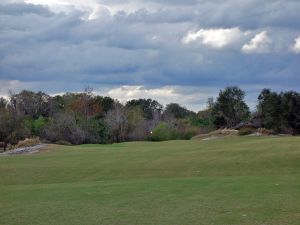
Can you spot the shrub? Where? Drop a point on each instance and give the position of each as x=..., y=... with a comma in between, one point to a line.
x=62, y=142
x=64, y=127
x=188, y=133
x=95, y=130
x=246, y=131
x=28, y=142
x=38, y=125
x=163, y=132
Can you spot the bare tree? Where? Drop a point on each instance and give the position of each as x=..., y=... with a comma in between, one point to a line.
x=86, y=98
x=117, y=123
x=64, y=127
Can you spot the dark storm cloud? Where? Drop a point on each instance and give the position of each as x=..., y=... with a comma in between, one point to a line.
x=148, y=46
x=250, y=14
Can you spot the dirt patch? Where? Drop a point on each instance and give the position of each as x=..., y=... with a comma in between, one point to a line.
x=216, y=134
x=210, y=138
x=25, y=150
x=255, y=134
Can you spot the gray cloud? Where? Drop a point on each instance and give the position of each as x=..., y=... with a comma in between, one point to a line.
x=21, y=9
x=145, y=46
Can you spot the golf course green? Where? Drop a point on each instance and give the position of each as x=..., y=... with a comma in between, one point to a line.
x=236, y=180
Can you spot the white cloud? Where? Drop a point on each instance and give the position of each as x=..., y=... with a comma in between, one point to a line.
x=215, y=38
x=190, y=97
x=125, y=93
x=296, y=47
x=13, y=86
x=259, y=44
x=99, y=12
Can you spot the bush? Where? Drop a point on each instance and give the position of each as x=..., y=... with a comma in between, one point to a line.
x=62, y=142
x=39, y=125
x=28, y=142
x=246, y=131
x=163, y=132
x=64, y=127
x=188, y=133
x=95, y=130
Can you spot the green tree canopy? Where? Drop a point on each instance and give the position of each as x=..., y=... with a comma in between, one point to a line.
x=148, y=106
x=230, y=108
x=178, y=111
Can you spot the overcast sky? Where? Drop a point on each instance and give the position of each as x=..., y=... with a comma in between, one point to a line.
x=173, y=50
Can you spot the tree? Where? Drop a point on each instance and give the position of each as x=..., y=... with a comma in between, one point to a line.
x=99, y=105
x=205, y=118
x=95, y=130
x=6, y=127
x=178, y=111
x=64, y=127
x=56, y=105
x=39, y=125
x=3, y=103
x=107, y=103
x=86, y=97
x=230, y=108
x=290, y=111
x=269, y=109
x=11, y=129
x=85, y=104
x=30, y=103
x=116, y=122
x=280, y=112
x=138, y=127
x=148, y=106
x=5, y=123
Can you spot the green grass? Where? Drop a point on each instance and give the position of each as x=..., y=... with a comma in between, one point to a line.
x=238, y=180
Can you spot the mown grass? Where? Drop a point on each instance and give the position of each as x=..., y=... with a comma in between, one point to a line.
x=237, y=180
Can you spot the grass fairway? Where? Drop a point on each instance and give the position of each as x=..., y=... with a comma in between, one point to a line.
x=239, y=180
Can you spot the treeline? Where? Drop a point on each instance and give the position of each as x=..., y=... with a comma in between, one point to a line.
x=76, y=118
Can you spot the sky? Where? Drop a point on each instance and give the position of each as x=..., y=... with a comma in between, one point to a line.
x=180, y=51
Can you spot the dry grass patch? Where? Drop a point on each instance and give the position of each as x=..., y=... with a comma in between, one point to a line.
x=28, y=142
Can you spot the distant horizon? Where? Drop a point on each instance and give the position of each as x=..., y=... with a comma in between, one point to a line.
x=252, y=105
